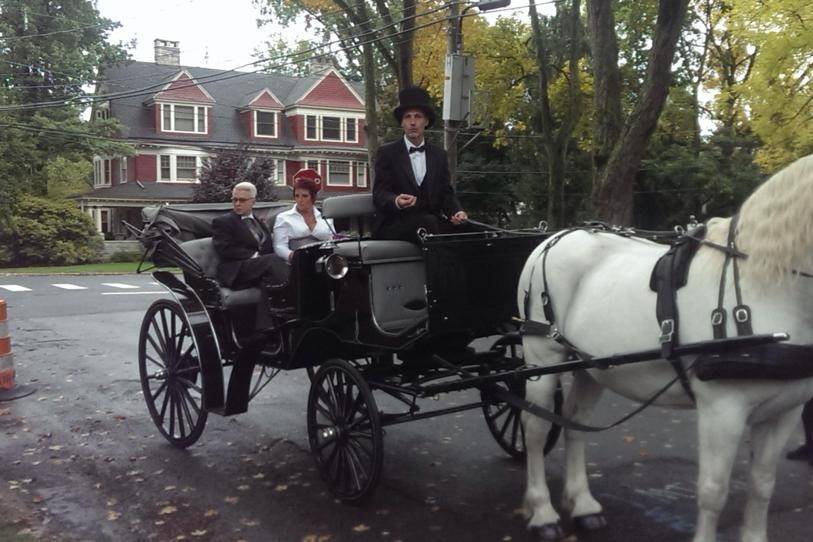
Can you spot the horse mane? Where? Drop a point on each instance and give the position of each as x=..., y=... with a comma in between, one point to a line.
x=776, y=225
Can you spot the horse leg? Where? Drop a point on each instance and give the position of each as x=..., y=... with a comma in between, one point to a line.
x=544, y=522
x=720, y=427
x=580, y=504
x=767, y=440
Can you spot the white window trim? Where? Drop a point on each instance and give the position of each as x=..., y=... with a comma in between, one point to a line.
x=99, y=171
x=344, y=130
x=123, y=167
x=320, y=128
x=279, y=172
x=276, y=123
x=361, y=173
x=173, y=167
x=349, y=183
x=195, y=115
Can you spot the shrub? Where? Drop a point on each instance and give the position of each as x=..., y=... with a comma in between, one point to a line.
x=123, y=256
x=43, y=232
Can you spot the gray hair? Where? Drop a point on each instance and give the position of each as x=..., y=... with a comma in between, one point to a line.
x=245, y=185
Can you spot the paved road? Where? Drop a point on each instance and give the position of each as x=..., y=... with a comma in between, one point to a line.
x=82, y=460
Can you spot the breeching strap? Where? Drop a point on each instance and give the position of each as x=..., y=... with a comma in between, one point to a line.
x=741, y=312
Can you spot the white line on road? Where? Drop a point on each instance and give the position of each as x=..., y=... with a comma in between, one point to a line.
x=133, y=293
x=70, y=286
x=14, y=288
x=119, y=285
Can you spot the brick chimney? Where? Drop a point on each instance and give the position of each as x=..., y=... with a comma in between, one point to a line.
x=167, y=52
x=319, y=64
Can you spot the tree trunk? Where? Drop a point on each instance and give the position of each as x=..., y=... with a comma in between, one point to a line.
x=406, y=45
x=368, y=68
x=613, y=193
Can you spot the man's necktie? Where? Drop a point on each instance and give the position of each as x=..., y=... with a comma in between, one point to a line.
x=256, y=230
x=417, y=149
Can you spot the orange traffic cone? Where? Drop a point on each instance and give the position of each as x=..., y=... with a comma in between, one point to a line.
x=8, y=389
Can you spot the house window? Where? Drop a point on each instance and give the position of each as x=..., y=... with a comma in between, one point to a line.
x=102, y=113
x=338, y=173
x=313, y=164
x=310, y=126
x=102, y=171
x=350, y=130
x=123, y=170
x=361, y=174
x=265, y=124
x=279, y=173
x=331, y=128
x=166, y=167
x=186, y=168
x=184, y=118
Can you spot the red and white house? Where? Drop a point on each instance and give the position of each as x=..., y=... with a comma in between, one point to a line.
x=176, y=117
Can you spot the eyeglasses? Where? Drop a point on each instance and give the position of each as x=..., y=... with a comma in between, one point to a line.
x=241, y=200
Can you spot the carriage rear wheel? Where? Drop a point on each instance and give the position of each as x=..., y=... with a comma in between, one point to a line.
x=170, y=372
x=344, y=430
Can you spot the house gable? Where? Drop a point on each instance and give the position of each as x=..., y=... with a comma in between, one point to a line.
x=265, y=100
x=331, y=91
x=183, y=88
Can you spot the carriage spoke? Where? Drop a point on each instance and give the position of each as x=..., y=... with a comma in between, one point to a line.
x=155, y=361
x=156, y=346
x=515, y=426
x=190, y=384
x=506, y=422
x=163, y=413
x=171, y=412
x=159, y=390
x=353, y=465
x=190, y=401
x=166, y=335
x=499, y=412
x=184, y=404
x=358, y=446
x=181, y=337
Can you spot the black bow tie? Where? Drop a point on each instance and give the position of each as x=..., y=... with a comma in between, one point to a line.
x=417, y=149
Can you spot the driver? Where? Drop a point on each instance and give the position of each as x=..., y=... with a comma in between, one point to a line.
x=412, y=188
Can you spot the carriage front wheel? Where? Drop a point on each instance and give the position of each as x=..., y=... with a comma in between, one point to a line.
x=344, y=430
x=170, y=372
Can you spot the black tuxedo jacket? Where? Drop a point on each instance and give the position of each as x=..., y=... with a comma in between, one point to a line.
x=394, y=175
x=235, y=243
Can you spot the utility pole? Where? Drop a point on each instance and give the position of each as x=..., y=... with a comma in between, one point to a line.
x=450, y=125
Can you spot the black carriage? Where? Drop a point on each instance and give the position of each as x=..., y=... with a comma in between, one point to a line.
x=363, y=317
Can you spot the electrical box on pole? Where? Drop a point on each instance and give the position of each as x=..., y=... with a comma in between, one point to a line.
x=485, y=5
x=457, y=87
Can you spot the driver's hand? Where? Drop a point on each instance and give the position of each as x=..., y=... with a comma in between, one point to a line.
x=405, y=200
x=459, y=217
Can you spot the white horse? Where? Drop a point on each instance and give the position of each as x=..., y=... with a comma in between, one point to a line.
x=598, y=284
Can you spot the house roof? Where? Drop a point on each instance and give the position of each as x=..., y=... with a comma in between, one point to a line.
x=142, y=82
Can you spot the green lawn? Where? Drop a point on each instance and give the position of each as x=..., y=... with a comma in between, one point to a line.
x=91, y=268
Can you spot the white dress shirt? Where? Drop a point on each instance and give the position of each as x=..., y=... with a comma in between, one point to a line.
x=291, y=231
x=418, y=160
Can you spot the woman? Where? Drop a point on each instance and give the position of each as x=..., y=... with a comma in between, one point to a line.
x=303, y=224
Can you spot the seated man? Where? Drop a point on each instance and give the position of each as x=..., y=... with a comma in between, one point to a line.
x=412, y=188
x=246, y=251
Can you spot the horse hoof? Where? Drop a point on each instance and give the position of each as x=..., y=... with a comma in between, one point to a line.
x=590, y=522
x=549, y=532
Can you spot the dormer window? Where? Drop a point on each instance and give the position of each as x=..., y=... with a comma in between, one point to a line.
x=331, y=128
x=189, y=119
x=265, y=123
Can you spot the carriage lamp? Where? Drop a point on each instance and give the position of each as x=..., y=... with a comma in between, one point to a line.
x=334, y=265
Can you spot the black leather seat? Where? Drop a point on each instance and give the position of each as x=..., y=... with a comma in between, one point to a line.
x=203, y=252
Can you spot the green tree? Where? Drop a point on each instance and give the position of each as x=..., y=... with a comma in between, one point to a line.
x=67, y=176
x=220, y=173
x=50, y=52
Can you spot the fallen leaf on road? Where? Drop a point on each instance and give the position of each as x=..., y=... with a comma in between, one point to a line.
x=361, y=528
x=243, y=487
x=232, y=500
x=167, y=510
x=210, y=513
x=112, y=515
x=281, y=487
x=249, y=522
x=55, y=448
x=628, y=439
x=200, y=532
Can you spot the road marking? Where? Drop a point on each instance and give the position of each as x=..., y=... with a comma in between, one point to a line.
x=119, y=285
x=70, y=286
x=14, y=288
x=133, y=293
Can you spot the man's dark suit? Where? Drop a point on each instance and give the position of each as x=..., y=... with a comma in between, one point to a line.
x=235, y=244
x=394, y=176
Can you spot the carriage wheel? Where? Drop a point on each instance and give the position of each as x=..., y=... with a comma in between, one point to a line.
x=504, y=422
x=170, y=371
x=344, y=431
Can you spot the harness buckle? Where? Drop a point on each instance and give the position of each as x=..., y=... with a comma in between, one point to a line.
x=741, y=315
x=667, y=331
x=717, y=317
x=545, y=299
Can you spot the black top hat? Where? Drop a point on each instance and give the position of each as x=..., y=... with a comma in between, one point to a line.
x=415, y=98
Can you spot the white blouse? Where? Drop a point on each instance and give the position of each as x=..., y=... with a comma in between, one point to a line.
x=290, y=230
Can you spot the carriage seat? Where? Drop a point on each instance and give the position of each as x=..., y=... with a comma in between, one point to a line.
x=204, y=253
x=397, y=271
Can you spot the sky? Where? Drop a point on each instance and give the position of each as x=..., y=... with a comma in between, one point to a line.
x=212, y=33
